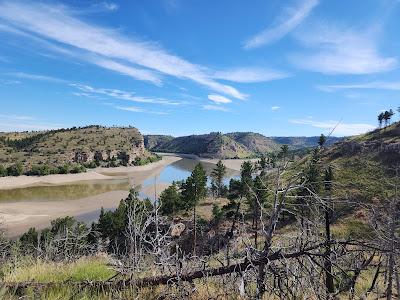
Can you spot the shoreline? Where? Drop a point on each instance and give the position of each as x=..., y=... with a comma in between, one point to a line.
x=23, y=181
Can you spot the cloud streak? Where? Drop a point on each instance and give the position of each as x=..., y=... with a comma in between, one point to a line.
x=289, y=20
x=336, y=50
x=218, y=99
x=250, y=75
x=378, y=85
x=215, y=107
x=58, y=25
x=121, y=95
x=342, y=129
x=139, y=110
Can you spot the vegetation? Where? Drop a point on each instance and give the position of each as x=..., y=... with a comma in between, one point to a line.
x=230, y=145
x=326, y=226
x=71, y=150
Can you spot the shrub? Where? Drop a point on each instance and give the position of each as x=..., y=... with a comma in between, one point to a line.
x=3, y=171
x=15, y=170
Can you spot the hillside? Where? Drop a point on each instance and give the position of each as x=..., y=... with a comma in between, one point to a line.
x=363, y=165
x=75, y=145
x=301, y=142
x=213, y=145
x=229, y=145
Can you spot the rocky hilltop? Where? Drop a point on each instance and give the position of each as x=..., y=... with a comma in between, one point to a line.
x=122, y=145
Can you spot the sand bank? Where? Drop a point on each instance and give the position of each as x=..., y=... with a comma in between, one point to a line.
x=137, y=173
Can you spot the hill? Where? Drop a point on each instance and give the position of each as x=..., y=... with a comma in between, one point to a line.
x=301, y=142
x=213, y=145
x=363, y=165
x=84, y=145
x=229, y=145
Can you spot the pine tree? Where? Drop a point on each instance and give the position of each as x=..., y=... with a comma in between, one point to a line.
x=217, y=176
x=195, y=189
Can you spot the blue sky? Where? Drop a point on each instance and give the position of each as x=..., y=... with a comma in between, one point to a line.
x=187, y=67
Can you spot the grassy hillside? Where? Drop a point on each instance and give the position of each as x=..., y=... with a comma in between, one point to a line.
x=255, y=142
x=75, y=145
x=363, y=165
x=301, y=142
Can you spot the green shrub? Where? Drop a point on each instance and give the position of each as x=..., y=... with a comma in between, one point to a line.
x=15, y=170
x=3, y=171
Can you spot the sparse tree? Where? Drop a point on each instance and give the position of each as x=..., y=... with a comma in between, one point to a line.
x=193, y=190
x=217, y=176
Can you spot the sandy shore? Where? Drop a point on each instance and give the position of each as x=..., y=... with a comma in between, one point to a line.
x=18, y=217
x=233, y=164
x=137, y=173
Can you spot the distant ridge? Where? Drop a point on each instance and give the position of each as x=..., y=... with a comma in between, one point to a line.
x=229, y=145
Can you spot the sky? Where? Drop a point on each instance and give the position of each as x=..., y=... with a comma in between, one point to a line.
x=180, y=67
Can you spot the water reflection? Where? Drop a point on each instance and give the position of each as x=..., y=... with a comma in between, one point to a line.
x=63, y=192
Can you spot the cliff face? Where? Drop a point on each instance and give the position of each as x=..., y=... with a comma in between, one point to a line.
x=79, y=145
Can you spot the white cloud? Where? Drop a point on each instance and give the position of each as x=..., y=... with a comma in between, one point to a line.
x=137, y=73
x=122, y=95
x=215, y=107
x=341, y=51
x=140, y=110
x=9, y=82
x=17, y=117
x=39, y=77
x=57, y=24
x=289, y=20
x=249, y=75
x=110, y=6
x=219, y=99
x=340, y=129
x=274, y=108
x=379, y=85
x=13, y=122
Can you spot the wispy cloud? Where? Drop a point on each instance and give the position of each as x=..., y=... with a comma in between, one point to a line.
x=378, y=85
x=249, y=75
x=219, y=99
x=16, y=117
x=340, y=129
x=274, y=108
x=9, y=82
x=215, y=107
x=59, y=25
x=109, y=6
x=122, y=95
x=140, y=110
x=137, y=73
x=337, y=50
x=38, y=77
x=285, y=23
x=14, y=122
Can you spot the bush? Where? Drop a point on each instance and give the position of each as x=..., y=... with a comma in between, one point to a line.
x=15, y=170
x=40, y=170
x=217, y=213
x=3, y=171
x=91, y=165
x=170, y=200
x=78, y=169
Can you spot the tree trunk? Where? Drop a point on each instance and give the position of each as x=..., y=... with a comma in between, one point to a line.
x=330, y=288
x=194, y=231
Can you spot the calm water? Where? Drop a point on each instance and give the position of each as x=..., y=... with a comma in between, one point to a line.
x=176, y=171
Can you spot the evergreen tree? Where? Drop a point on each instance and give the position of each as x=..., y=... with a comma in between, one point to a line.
x=380, y=119
x=170, y=200
x=193, y=190
x=217, y=176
